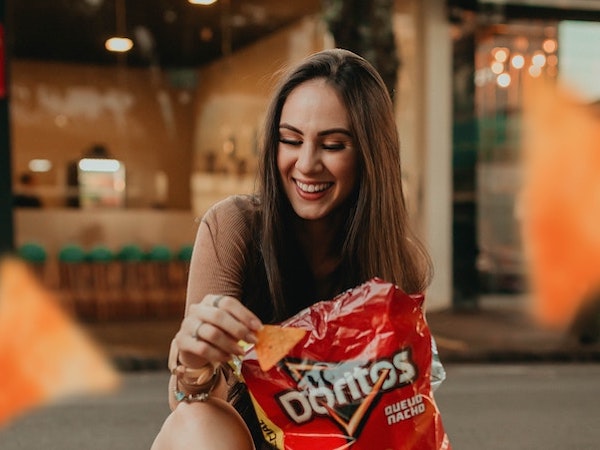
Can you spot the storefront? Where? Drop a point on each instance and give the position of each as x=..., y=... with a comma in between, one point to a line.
x=499, y=45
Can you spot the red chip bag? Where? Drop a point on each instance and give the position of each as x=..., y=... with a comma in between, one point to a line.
x=360, y=377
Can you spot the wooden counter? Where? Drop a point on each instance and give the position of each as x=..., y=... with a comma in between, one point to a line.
x=54, y=228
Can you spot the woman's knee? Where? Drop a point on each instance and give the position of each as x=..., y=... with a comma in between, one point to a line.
x=211, y=425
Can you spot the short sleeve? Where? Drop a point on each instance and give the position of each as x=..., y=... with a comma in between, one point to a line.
x=221, y=251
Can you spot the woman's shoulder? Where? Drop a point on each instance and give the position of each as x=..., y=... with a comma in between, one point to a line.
x=233, y=211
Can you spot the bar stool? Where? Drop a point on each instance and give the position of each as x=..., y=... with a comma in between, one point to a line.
x=104, y=281
x=35, y=256
x=133, y=301
x=158, y=279
x=181, y=269
x=74, y=283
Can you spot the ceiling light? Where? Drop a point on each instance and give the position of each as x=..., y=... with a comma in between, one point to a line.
x=503, y=80
x=40, y=165
x=497, y=67
x=99, y=165
x=500, y=54
x=202, y=2
x=118, y=44
x=518, y=61
x=539, y=59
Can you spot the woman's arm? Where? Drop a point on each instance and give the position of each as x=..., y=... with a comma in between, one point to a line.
x=217, y=268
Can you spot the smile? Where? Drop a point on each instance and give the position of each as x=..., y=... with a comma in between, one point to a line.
x=312, y=188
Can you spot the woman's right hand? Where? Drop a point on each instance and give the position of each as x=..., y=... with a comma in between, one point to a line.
x=212, y=329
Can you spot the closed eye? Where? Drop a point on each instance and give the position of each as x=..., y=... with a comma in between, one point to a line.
x=288, y=141
x=337, y=146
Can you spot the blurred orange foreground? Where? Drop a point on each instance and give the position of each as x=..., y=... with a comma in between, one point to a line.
x=560, y=202
x=44, y=355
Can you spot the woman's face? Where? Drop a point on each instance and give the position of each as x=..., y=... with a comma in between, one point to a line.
x=316, y=157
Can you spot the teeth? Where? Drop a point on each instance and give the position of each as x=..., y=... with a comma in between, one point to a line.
x=312, y=187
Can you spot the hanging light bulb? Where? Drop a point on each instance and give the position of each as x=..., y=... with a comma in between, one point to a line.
x=119, y=43
x=202, y=2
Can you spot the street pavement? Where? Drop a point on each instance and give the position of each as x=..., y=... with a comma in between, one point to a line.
x=483, y=406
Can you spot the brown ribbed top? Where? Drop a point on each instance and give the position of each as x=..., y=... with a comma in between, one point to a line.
x=221, y=250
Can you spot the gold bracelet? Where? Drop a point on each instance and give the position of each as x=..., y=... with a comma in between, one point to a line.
x=193, y=377
x=199, y=392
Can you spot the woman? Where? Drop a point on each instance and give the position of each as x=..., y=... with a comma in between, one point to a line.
x=329, y=214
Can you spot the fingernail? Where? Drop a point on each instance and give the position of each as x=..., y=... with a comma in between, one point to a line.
x=255, y=324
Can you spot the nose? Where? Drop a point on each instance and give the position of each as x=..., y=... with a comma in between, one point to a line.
x=309, y=159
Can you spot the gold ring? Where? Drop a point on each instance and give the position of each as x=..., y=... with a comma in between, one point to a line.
x=196, y=335
x=216, y=300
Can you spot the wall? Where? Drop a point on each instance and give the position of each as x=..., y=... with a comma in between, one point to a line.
x=58, y=111
x=112, y=228
x=435, y=143
x=232, y=100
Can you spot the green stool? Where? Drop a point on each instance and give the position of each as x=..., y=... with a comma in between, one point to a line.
x=133, y=301
x=35, y=257
x=33, y=252
x=159, y=253
x=104, y=280
x=130, y=253
x=74, y=282
x=100, y=254
x=159, y=259
x=180, y=273
x=71, y=253
x=185, y=253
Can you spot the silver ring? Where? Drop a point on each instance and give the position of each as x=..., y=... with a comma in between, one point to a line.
x=216, y=300
x=196, y=335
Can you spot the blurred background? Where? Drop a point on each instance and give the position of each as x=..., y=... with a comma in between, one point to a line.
x=122, y=121
x=111, y=154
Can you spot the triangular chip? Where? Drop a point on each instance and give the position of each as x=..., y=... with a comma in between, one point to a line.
x=44, y=354
x=274, y=342
x=560, y=202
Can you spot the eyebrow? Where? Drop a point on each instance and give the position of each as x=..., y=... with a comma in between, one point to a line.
x=320, y=133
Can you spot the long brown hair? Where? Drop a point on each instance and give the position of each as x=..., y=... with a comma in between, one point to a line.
x=377, y=240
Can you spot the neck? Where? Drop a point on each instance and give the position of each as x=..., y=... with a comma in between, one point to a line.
x=319, y=240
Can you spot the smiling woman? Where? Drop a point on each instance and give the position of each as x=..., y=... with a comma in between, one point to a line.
x=328, y=214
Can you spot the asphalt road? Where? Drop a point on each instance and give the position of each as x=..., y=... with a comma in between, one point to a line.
x=522, y=407
x=484, y=407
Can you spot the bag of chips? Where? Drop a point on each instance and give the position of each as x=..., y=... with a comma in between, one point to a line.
x=359, y=378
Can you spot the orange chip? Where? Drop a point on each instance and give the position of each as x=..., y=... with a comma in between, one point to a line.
x=44, y=354
x=274, y=342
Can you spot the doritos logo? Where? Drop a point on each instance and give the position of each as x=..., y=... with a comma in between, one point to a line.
x=346, y=391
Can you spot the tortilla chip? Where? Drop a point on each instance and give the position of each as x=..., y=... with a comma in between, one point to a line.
x=44, y=354
x=274, y=342
x=560, y=202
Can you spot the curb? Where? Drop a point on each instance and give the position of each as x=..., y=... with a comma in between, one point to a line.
x=522, y=356
x=137, y=363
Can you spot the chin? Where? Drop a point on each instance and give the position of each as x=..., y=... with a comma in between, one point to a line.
x=305, y=214
x=310, y=216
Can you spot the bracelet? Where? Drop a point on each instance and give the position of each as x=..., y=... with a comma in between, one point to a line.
x=201, y=391
x=193, y=377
